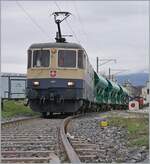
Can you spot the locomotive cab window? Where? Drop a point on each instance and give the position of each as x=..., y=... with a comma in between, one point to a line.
x=29, y=58
x=41, y=58
x=67, y=58
x=81, y=59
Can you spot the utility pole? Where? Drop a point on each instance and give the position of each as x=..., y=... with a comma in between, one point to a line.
x=100, y=62
x=109, y=74
x=97, y=65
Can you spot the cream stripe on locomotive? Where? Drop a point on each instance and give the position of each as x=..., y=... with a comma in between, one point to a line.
x=60, y=73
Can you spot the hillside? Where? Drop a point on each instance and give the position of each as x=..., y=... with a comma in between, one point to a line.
x=137, y=79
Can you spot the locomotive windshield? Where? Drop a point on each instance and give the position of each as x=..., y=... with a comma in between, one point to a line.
x=67, y=58
x=41, y=58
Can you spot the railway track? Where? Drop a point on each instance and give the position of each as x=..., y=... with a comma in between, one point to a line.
x=33, y=140
x=79, y=149
x=40, y=140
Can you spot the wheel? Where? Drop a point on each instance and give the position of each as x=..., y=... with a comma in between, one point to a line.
x=44, y=114
x=50, y=114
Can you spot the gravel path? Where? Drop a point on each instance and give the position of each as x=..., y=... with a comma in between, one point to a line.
x=112, y=141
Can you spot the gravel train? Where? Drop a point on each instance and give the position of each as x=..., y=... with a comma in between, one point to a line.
x=60, y=78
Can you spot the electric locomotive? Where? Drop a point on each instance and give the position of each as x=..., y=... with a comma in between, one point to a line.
x=61, y=79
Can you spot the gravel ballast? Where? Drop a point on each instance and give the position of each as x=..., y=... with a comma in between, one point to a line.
x=112, y=141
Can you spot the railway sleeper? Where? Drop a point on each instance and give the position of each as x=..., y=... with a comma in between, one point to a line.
x=27, y=147
x=26, y=160
x=79, y=145
x=87, y=157
x=26, y=136
x=27, y=142
x=89, y=150
x=24, y=139
x=5, y=154
x=25, y=133
x=50, y=158
x=77, y=141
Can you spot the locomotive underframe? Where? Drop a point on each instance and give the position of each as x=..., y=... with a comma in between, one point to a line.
x=67, y=106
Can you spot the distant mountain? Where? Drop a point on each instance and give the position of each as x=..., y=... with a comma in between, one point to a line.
x=137, y=79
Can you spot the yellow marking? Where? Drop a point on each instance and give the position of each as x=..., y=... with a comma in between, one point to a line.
x=53, y=61
x=53, y=50
x=103, y=123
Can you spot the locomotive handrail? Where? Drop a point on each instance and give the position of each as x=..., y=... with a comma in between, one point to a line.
x=73, y=158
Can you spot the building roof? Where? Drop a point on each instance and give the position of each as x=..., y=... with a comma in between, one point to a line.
x=6, y=74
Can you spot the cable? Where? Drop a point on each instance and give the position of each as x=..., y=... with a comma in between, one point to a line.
x=68, y=24
x=73, y=32
x=79, y=18
x=57, y=5
x=32, y=20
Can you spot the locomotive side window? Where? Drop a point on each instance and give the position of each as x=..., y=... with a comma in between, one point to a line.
x=41, y=58
x=29, y=58
x=67, y=58
x=81, y=59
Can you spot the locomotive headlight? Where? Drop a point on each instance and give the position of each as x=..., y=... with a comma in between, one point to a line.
x=36, y=83
x=71, y=83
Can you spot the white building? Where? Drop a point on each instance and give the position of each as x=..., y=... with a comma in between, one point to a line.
x=12, y=86
x=134, y=91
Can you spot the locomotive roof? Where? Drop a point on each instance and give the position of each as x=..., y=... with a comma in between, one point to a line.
x=56, y=45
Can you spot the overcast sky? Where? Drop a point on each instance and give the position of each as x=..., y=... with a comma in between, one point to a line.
x=109, y=30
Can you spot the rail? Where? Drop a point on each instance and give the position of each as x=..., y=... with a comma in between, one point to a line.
x=73, y=157
x=18, y=121
x=71, y=154
x=18, y=147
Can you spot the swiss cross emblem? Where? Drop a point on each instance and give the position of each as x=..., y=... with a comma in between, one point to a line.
x=52, y=73
x=132, y=105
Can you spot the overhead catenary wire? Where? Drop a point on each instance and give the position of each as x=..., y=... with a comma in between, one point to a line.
x=68, y=24
x=79, y=19
x=32, y=19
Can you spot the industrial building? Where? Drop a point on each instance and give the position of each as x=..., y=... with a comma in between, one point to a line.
x=13, y=86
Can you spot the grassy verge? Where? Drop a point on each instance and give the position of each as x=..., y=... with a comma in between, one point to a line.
x=138, y=129
x=16, y=108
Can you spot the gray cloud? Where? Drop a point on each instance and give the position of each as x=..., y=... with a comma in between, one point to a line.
x=106, y=29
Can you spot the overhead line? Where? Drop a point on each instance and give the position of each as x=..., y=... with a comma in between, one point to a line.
x=79, y=18
x=32, y=19
x=72, y=31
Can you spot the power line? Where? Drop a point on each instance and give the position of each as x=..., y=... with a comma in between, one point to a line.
x=57, y=5
x=32, y=20
x=79, y=18
x=68, y=24
x=72, y=31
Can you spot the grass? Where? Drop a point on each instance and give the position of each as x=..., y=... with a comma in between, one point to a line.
x=138, y=129
x=16, y=108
